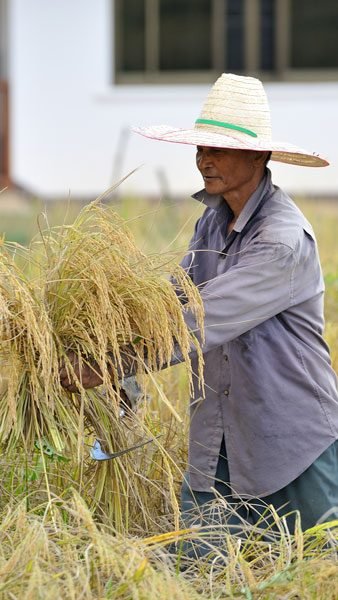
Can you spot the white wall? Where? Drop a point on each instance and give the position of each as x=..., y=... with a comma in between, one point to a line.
x=68, y=122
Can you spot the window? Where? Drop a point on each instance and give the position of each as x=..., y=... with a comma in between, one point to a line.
x=268, y=32
x=195, y=40
x=132, y=48
x=181, y=25
x=314, y=34
x=234, y=35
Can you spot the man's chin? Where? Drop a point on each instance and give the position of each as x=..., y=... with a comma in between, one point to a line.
x=213, y=187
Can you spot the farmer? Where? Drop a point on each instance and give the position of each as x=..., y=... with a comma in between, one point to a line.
x=266, y=431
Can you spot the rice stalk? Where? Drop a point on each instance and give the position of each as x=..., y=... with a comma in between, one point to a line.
x=86, y=288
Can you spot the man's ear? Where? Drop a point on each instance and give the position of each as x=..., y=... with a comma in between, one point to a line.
x=261, y=158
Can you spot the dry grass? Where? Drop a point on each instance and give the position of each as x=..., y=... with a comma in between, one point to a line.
x=64, y=553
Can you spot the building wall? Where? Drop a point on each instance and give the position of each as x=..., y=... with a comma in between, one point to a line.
x=70, y=126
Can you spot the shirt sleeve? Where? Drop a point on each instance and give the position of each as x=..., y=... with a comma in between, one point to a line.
x=258, y=287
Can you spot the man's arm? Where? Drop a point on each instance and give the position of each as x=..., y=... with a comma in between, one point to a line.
x=257, y=288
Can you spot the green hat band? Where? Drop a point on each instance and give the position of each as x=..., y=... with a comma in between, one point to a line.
x=226, y=125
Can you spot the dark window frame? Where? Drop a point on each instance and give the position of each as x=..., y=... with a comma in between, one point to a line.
x=252, y=48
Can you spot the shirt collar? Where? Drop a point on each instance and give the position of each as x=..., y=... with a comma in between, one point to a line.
x=217, y=202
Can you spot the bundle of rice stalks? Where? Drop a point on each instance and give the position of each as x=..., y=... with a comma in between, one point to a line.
x=93, y=292
x=102, y=293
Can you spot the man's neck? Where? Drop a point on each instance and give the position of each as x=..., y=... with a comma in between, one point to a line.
x=238, y=198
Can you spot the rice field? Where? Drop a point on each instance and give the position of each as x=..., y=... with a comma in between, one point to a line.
x=75, y=528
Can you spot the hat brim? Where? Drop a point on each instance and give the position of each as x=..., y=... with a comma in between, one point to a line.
x=281, y=152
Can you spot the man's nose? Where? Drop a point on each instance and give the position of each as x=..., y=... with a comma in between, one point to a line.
x=204, y=158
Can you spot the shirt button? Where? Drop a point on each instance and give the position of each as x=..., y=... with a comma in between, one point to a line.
x=226, y=392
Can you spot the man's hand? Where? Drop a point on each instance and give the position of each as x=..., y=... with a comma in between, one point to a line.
x=88, y=374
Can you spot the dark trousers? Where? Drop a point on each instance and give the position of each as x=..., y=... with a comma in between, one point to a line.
x=314, y=494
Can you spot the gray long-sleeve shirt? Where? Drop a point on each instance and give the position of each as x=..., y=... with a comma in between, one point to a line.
x=269, y=385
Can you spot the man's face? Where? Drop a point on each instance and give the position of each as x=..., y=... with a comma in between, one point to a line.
x=224, y=170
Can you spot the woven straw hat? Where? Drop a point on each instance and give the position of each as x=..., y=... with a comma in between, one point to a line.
x=236, y=115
